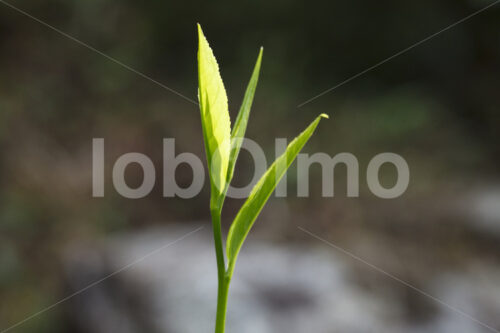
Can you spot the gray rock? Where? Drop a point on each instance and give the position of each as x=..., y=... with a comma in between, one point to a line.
x=276, y=288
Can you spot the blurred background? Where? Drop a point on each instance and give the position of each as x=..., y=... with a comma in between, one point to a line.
x=436, y=105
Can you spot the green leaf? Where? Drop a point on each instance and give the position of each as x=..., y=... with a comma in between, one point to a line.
x=214, y=116
x=245, y=218
x=240, y=125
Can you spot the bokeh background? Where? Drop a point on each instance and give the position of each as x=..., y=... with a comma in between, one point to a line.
x=436, y=105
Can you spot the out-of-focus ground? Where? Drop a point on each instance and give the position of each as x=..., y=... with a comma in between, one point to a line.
x=286, y=287
x=436, y=105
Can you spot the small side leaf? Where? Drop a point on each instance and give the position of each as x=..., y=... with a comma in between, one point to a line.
x=245, y=218
x=214, y=116
x=240, y=124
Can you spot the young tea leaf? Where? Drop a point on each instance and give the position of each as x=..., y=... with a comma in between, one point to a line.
x=245, y=218
x=240, y=124
x=214, y=116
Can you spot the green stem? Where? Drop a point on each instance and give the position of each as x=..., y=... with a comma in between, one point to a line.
x=219, y=251
x=223, y=278
x=220, y=322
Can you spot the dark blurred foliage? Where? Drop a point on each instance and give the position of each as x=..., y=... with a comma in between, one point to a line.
x=437, y=105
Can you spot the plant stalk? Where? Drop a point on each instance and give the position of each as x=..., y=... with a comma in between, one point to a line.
x=223, y=292
x=223, y=278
